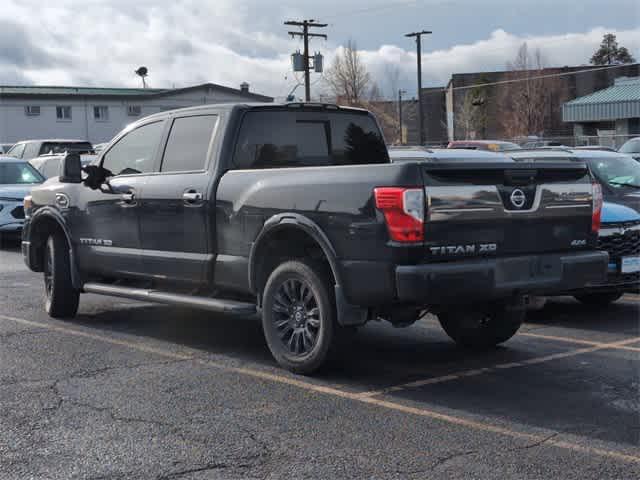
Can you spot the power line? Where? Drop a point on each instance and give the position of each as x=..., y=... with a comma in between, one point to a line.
x=540, y=77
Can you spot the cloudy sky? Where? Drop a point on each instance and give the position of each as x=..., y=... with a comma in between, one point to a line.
x=101, y=42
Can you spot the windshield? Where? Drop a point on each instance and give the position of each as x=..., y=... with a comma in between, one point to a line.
x=617, y=172
x=632, y=146
x=15, y=173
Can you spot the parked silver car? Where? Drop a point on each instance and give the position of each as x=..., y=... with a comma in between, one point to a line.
x=29, y=149
x=49, y=165
x=17, y=178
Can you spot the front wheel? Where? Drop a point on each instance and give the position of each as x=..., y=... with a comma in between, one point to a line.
x=299, y=316
x=599, y=299
x=61, y=298
x=483, y=327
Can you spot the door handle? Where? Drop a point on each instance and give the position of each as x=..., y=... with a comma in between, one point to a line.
x=191, y=196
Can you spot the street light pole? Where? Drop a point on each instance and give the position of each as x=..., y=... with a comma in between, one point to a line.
x=418, y=36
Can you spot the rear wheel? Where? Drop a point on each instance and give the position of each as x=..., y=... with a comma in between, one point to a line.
x=599, y=299
x=299, y=316
x=483, y=327
x=61, y=298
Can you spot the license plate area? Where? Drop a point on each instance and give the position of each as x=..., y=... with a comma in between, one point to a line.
x=630, y=264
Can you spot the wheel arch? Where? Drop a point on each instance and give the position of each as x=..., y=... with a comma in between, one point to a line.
x=43, y=222
x=277, y=225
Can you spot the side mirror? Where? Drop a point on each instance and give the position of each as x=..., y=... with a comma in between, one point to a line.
x=97, y=177
x=71, y=169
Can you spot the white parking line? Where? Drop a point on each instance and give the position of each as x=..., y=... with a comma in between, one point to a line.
x=329, y=390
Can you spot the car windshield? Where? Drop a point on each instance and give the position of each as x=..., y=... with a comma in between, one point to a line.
x=617, y=172
x=15, y=173
x=632, y=146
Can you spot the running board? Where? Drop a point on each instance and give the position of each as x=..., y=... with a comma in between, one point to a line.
x=205, y=303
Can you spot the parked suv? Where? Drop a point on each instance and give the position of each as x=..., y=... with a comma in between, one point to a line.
x=295, y=211
x=29, y=149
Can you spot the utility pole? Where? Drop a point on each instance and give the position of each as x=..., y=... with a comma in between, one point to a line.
x=400, y=92
x=305, y=34
x=418, y=36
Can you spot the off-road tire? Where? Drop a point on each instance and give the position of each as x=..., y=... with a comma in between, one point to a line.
x=61, y=298
x=483, y=327
x=315, y=278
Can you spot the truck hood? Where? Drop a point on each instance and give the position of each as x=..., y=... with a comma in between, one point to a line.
x=15, y=191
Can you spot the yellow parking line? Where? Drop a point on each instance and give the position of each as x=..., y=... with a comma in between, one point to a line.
x=327, y=390
x=578, y=341
x=504, y=366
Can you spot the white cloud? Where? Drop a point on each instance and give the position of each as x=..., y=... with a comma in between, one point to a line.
x=493, y=53
x=99, y=42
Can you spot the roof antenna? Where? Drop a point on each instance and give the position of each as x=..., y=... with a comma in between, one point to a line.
x=142, y=72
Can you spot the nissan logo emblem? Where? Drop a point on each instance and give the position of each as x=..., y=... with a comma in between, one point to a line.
x=518, y=198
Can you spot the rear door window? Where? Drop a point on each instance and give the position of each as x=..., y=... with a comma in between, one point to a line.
x=31, y=150
x=188, y=143
x=285, y=139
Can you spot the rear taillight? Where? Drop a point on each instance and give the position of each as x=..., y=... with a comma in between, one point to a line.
x=403, y=210
x=597, y=207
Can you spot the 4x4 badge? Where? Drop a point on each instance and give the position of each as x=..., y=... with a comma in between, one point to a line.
x=518, y=198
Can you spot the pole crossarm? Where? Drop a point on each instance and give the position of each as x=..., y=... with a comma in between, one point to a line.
x=415, y=34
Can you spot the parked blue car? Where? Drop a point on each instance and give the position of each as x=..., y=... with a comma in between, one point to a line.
x=619, y=176
x=17, y=178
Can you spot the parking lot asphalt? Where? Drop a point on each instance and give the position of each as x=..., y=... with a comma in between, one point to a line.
x=135, y=390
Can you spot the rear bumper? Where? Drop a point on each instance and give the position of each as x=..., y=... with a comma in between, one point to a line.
x=492, y=278
x=628, y=283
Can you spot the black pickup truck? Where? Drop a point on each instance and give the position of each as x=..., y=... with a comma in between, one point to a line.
x=296, y=211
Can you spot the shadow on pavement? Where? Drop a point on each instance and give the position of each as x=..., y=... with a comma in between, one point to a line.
x=619, y=317
x=574, y=395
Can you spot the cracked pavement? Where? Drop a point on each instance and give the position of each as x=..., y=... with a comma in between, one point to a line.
x=152, y=392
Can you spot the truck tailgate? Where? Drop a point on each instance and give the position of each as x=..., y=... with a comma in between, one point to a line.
x=500, y=209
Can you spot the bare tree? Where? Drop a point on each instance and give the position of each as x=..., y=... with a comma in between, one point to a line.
x=466, y=118
x=525, y=101
x=348, y=76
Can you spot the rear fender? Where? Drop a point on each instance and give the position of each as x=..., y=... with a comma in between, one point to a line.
x=347, y=314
